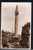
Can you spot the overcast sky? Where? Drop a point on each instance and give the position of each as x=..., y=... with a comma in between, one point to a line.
x=8, y=16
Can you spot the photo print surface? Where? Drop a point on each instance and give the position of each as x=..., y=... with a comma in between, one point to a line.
x=0, y=25
x=16, y=25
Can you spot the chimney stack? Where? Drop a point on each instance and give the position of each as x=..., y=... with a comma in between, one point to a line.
x=16, y=19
